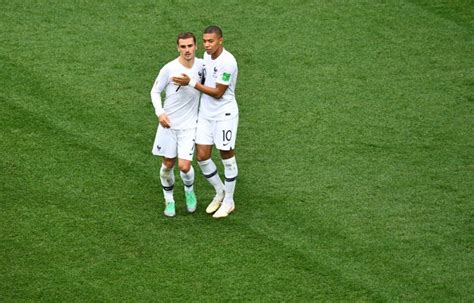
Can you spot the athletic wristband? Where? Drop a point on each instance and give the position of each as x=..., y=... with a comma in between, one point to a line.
x=192, y=83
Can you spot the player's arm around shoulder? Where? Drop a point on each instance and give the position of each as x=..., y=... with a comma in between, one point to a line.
x=224, y=78
x=216, y=92
x=221, y=86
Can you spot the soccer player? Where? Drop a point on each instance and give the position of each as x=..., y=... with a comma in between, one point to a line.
x=218, y=119
x=175, y=137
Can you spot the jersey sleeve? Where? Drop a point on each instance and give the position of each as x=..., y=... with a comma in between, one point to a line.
x=227, y=71
x=160, y=84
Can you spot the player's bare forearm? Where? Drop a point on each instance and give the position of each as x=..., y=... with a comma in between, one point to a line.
x=216, y=92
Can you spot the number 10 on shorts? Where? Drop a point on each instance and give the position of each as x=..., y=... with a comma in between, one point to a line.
x=226, y=136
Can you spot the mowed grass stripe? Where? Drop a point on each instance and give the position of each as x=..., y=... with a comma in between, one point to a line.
x=358, y=167
x=86, y=226
x=80, y=209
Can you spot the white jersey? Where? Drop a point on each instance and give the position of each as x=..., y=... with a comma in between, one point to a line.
x=222, y=70
x=181, y=105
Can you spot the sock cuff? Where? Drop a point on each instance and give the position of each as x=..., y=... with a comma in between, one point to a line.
x=188, y=178
x=163, y=167
x=229, y=161
x=230, y=169
x=208, y=168
x=204, y=162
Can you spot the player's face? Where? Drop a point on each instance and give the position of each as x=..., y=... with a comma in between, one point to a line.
x=186, y=48
x=212, y=43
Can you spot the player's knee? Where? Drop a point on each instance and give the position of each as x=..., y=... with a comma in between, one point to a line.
x=226, y=154
x=202, y=156
x=185, y=166
x=168, y=163
x=199, y=157
x=203, y=152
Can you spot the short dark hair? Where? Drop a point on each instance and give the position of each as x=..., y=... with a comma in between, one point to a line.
x=213, y=29
x=186, y=35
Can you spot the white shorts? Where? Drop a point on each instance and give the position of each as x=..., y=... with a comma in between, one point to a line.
x=172, y=143
x=222, y=134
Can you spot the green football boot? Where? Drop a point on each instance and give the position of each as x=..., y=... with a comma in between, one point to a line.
x=191, y=201
x=170, y=209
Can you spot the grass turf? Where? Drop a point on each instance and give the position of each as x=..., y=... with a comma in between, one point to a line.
x=355, y=154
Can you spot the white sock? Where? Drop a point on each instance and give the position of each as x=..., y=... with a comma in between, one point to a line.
x=230, y=173
x=209, y=170
x=167, y=181
x=188, y=179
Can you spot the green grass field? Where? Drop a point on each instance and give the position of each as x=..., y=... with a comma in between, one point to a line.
x=355, y=154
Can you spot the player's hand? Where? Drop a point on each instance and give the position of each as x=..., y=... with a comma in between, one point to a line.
x=164, y=120
x=182, y=80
